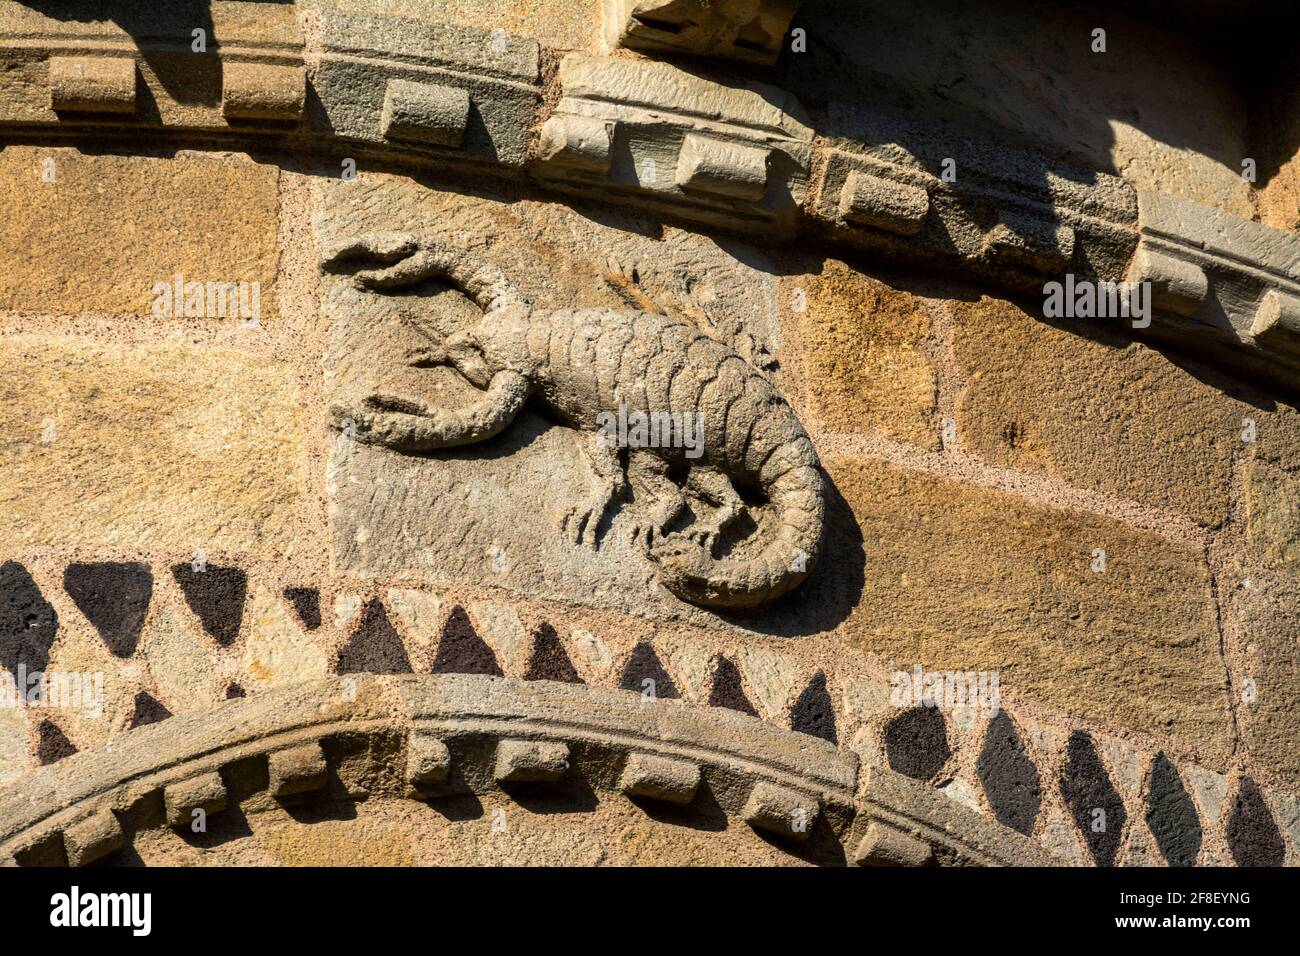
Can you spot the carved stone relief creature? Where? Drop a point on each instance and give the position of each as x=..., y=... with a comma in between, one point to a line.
x=583, y=364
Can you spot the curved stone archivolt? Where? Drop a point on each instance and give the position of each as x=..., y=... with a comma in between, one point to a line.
x=459, y=741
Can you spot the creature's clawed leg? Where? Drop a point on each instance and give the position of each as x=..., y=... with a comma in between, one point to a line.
x=580, y=522
x=658, y=499
x=715, y=489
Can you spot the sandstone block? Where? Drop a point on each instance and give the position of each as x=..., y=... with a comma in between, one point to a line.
x=262, y=91
x=92, y=84
x=428, y=761
x=969, y=578
x=780, y=810
x=297, y=770
x=206, y=792
x=92, y=838
x=425, y=112
x=883, y=845
x=110, y=234
x=147, y=447
x=660, y=778
x=531, y=761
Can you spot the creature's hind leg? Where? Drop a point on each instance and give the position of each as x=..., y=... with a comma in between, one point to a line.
x=581, y=521
x=658, y=499
x=715, y=489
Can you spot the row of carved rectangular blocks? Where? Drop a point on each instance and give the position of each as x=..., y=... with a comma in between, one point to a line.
x=107, y=84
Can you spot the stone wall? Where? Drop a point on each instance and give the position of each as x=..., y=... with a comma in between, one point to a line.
x=1106, y=518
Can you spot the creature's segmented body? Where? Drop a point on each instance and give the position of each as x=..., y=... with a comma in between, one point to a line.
x=581, y=362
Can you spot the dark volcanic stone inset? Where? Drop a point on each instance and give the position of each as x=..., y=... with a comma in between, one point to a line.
x=1171, y=815
x=916, y=743
x=727, y=690
x=306, y=604
x=814, y=713
x=375, y=646
x=51, y=743
x=114, y=596
x=462, y=651
x=1009, y=776
x=235, y=691
x=147, y=711
x=1253, y=836
x=644, y=665
x=28, y=622
x=549, y=660
x=1094, y=803
x=216, y=596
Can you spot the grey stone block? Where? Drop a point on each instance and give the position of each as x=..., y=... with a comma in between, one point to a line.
x=297, y=770
x=530, y=761
x=206, y=792
x=780, y=810
x=660, y=778
x=96, y=836
x=425, y=112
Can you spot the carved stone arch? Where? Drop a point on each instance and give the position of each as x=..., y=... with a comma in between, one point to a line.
x=483, y=754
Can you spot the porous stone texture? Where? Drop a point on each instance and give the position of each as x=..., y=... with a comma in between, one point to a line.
x=971, y=578
x=1123, y=418
x=102, y=230
x=146, y=446
x=862, y=345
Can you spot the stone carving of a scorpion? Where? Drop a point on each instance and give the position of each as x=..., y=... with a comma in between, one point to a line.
x=580, y=362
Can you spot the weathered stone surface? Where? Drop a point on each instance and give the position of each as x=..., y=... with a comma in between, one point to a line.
x=782, y=811
x=76, y=243
x=306, y=604
x=262, y=91
x=718, y=152
x=1273, y=514
x=98, y=84
x=461, y=650
x=883, y=845
x=1122, y=418
x=531, y=761
x=428, y=761
x=216, y=595
x=1261, y=622
x=977, y=579
x=183, y=665
x=660, y=778
x=405, y=80
x=52, y=744
x=726, y=689
x=206, y=792
x=161, y=447
x=147, y=710
x=862, y=349
x=92, y=838
x=297, y=770
x=276, y=650
x=746, y=30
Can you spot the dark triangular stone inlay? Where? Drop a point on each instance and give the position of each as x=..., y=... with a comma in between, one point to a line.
x=916, y=743
x=375, y=646
x=1253, y=836
x=814, y=713
x=147, y=711
x=1009, y=776
x=216, y=596
x=51, y=744
x=462, y=651
x=306, y=604
x=1171, y=815
x=727, y=690
x=1094, y=803
x=235, y=691
x=549, y=660
x=28, y=623
x=114, y=596
x=644, y=665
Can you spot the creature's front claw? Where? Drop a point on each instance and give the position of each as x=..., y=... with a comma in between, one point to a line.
x=578, y=524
